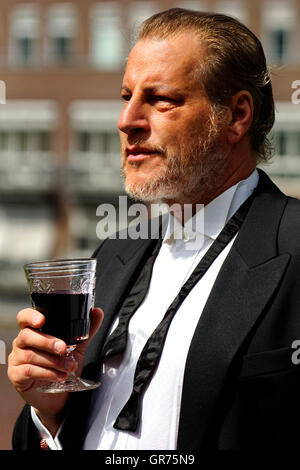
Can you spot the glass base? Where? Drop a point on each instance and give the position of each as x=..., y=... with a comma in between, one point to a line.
x=72, y=384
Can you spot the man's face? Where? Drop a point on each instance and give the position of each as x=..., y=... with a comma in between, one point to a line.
x=173, y=146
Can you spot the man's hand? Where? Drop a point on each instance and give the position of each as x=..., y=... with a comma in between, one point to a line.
x=37, y=358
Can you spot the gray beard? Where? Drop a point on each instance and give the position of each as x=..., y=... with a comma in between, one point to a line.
x=199, y=172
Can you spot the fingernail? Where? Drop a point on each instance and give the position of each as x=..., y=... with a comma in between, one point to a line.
x=59, y=347
x=36, y=318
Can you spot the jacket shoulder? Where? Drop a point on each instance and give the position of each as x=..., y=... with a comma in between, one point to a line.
x=126, y=242
x=289, y=229
x=25, y=436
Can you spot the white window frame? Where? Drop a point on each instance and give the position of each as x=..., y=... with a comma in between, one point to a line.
x=236, y=8
x=287, y=118
x=278, y=15
x=138, y=12
x=61, y=21
x=102, y=17
x=32, y=168
x=95, y=171
x=24, y=22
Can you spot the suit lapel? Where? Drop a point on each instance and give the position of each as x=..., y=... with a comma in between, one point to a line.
x=248, y=278
x=113, y=281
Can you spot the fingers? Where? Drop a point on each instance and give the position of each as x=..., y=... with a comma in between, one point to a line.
x=96, y=316
x=29, y=317
x=23, y=377
x=37, y=356
x=42, y=359
x=30, y=338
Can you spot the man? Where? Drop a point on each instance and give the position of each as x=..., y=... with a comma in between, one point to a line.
x=218, y=372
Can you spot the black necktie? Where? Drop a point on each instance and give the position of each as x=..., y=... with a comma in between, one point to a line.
x=116, y=342
x=128, y=418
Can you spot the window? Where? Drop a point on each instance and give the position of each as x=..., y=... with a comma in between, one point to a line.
x=61, y=48
x=24, y=32
x=103, y=143
x=287, y=143
x=285, y=139
x=192, y=5
x=83, y=231
x=280, y=143
x=84, y=141
x=94, y=160
x=279, y=39
x=106, y=50
x=24, y=154
x=44, y=141
x=25, y=49
x=3, y=141
x=138, y=12
x=61, y=30
x=22, y=141
x=36, y=224
x=278, y=22
x=25, y=163
x=25, y=141
x=109, y=143
x=234, y=8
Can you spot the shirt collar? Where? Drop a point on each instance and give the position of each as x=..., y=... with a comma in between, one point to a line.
x=209, y=220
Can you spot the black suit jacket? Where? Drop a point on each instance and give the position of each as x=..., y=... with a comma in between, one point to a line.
x=241, y=388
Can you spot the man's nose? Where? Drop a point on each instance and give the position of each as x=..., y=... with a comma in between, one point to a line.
x=133, y=117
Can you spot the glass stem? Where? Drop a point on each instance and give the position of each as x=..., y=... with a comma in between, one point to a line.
x=69, y=354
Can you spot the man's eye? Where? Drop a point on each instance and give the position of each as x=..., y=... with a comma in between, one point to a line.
x=125, y=97
x=162, y=98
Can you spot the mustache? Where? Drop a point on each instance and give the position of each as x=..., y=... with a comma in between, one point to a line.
x=141, y=143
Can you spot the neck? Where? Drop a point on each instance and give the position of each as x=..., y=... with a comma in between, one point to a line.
x=176, y=205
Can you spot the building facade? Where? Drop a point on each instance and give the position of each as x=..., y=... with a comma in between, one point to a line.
x=62, y=65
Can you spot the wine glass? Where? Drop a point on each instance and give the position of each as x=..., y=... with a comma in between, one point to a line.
x=63, y=291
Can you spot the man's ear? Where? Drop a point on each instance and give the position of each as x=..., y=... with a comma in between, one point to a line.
x=242, y=110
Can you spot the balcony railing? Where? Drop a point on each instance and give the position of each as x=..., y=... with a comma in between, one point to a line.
x=27, y=171
x=94, y=172
x=284, y=165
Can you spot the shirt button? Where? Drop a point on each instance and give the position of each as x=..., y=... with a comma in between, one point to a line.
x=111, y=373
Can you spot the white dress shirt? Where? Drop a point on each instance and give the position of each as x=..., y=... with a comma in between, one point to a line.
x=161, y=402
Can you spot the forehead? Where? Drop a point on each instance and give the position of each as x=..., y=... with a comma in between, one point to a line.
x=170, y=60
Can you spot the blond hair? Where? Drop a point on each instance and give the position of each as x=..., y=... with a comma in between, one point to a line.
x=235, y=61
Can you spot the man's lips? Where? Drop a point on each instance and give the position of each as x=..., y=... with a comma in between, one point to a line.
x=138, y=154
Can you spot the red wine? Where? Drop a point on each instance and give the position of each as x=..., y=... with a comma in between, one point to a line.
x=67, y=315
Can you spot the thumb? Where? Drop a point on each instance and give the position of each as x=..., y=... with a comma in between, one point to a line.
x=96, y=317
